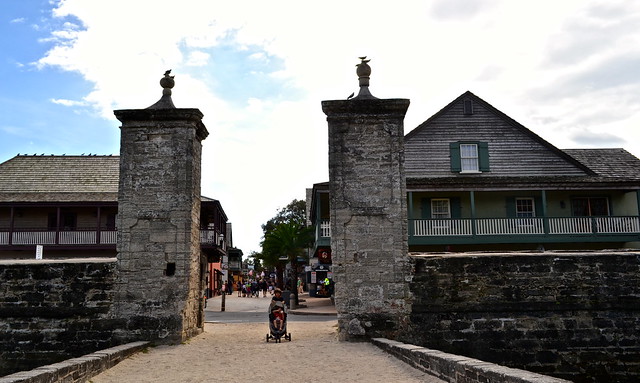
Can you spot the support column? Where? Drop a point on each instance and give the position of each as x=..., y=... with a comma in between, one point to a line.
x=159, y=279
x=367, y=186
x=472, y=200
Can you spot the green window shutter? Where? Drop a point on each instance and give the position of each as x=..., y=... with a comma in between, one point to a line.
x=456, y=207
x=483, y=154
x=511, y=207
x=425, y=208
x=454, y=151
x=538, y=206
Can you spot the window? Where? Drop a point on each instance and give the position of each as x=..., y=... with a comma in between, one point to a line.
x=469, y=157
x=525, y=208
x=590, y=206
x=440, y=208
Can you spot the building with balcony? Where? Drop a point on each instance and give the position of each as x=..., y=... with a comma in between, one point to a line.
x=68, y=205
x=478, y=180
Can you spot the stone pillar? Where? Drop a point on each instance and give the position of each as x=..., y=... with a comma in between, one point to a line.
x=159, y=267
x=371, y=267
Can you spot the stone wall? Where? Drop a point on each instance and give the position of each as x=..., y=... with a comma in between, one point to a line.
x=456, y=368
x=368, y=216
x=574, y=316
x=160, y=266
x=53, y=310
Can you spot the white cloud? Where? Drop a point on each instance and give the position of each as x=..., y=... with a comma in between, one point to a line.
x=64, y=102
x=197, y=58
x=531, y=59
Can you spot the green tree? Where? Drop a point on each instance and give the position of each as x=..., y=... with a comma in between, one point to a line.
x=286, y=243
x=284, y=240
x=294, y=212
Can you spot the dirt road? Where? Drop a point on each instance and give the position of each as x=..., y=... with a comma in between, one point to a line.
x=238, y=352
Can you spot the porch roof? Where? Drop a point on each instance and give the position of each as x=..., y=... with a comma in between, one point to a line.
x=49, y=178
x=479, y=183
x=612, y=163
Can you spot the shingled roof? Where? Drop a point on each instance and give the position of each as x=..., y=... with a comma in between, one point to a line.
x=614, y=163
x=49, y=178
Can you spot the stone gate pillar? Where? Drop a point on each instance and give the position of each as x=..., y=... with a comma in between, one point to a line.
x=159, y=268
x=367, y=186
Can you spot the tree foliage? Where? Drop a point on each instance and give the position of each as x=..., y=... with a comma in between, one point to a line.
x=285, y=238
x=294, y=212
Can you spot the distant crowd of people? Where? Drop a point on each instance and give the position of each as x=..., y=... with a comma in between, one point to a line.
x=250, y=288
x=253, y=288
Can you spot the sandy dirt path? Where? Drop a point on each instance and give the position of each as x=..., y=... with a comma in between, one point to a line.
x=239, y=353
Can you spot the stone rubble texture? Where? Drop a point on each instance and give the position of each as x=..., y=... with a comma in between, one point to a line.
x=159, y=283
x=368, y=216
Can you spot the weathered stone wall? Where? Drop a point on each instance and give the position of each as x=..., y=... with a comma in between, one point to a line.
x=574, y=316
x=368, y=216
x=53, y=310
x=160, y=266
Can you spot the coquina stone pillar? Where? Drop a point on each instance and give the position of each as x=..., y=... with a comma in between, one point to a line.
x=159, y=267
x=367, y=186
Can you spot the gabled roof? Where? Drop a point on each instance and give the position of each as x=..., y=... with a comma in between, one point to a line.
x=49, y=178
x=508, y=120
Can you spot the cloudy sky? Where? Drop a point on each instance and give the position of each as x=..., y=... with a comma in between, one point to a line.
x=258, y=70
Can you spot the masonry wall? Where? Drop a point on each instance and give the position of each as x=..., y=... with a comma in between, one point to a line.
x=573, y=316
x=368, y=216
x=53, y=310
x=160, y=268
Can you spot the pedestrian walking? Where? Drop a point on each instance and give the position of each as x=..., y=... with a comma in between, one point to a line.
x=263, y=285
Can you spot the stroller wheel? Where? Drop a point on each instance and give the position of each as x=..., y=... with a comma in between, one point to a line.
x=289, y=337
x=267, y=338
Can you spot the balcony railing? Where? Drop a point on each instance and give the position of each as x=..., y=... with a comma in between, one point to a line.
x=482, y=229
x=325, y=228
x=75, y=237
x=525, y=226
x=81, y=236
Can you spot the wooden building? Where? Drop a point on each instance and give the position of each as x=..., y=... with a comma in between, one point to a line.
x=68, y=205
x=479, y=180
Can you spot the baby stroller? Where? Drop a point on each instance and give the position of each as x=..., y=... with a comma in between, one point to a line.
x=274, y=332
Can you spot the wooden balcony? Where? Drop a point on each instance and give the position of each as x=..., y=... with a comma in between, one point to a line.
x=514, y=230
x=524, y=230
x=80, y=237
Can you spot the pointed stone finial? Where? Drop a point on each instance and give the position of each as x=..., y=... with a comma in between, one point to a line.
x=165, y=102
x=363, y=71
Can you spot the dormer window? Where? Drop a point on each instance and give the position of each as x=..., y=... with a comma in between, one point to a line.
x=469, y=157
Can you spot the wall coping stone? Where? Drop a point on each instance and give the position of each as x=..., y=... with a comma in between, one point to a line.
x=454, y=368
x=51, y=261
x=77, y=369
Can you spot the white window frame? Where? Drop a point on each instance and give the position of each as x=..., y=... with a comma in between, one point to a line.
x=526, y=214
x=442, y=218
x=469, y=161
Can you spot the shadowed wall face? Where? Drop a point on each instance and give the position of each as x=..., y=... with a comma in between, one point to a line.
x=574, y=316
x=53, y=310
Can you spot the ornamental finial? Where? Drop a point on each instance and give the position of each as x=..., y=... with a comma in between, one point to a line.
x=363, y=71
x=165, y=102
